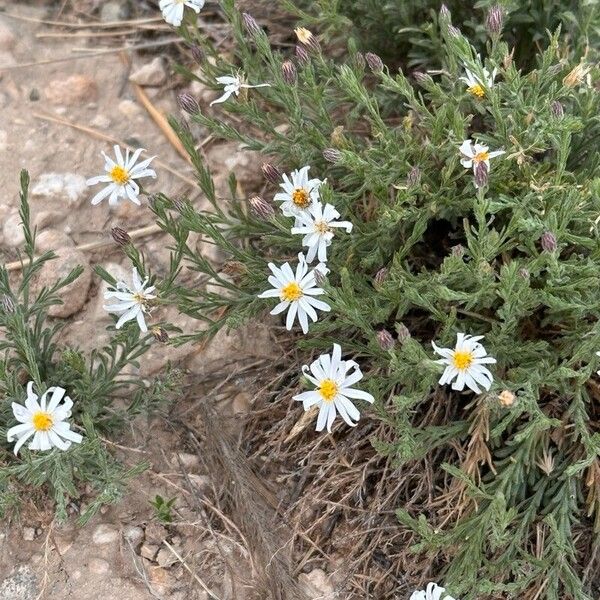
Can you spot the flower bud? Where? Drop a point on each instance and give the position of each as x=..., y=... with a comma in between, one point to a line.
x=385, y=340
x=495, y=20
x=8, y=305
x=458, y=251
x=557, y=110
x=120, y=236
x=302, y=55
x=271, y=173
x=289, y=72
x=548, y=240
x=421, y=77
x=445, y=14
x=160, y=334
x=252, y=27
x=359, y=61
x=188, y=103
x=307, y=39
x=380, y=277
x=374, y=61
x=506, y=398
x=524, y=273
x=197, y=54
x=576, y=75
x=261, y=208
x=481, y=174
x=413, y=178
x=454, y=31
x=332, y=155
x=402, y=332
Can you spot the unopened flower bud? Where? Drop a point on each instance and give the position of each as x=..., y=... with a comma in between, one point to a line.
x=374, y=61
x=197, y=54
x=332, y=155
x=271, y=173
x=307, y=39
x=577, y=75
x=458, y=251
x=8, y=305
x=359, y=61
x=413, y=178
x=261, y=208
x=421, y=77
x=481, y=174
x=302, y=55
x=188, y=103
x=524, y=273
x=445, y=13
x=557, y=110
x=120, y=236
x=252, y=27
x=289, y=72
x=495, y=20
x=506, y=398
x=548, y=240
x=160, y=334
x=454, y=31
x=402, y=332
x=385, y=340
x=380, y=277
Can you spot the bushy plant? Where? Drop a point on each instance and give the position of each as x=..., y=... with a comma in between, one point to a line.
x=508, y=250
x=31, y=353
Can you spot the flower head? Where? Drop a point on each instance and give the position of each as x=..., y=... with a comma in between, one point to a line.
x=172, y=10
x=333, y=378
x=295, y=292
x=131, y=303
x=316, y=224
x=465, y=363
x=432, y=592
x=44, y=420
x=232, y=84
x=299, y=193
x=473, y=154
x=477, y=86
x=120, y=176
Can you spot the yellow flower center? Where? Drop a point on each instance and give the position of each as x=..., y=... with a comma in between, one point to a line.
x=300, y=198
x=139, y=298
x=322, y=227
x=476, y=90
x=481, y=157
x=462, y=359
x=42, y=421
x=119, y=175
x=291, y=292
x=328, y=390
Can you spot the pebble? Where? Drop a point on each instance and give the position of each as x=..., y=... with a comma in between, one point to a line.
x=133, y=534
x=129, y=109
x=45, y=218
x=52, y=239
x=20, y=585
x=13, y=231
x=76, y=89
x=69, y=187
x=165, y=558
x=98, y=566
x=62, y=544
x=148, y=551
x=152, y=74
x=155, y=533
x=29, y=534
x=100, y=122
x=7, y=38
x=105, y=534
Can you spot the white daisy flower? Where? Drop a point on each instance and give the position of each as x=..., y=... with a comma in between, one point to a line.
x=432, y=592
x=476, y=86
x=232, y=84
x=333, y=378
x=295, y=292
x=316, y=224
x=45, y=421
x=299, y=192
x=465, y=363
x=172, y=10
x=131, y=303
x=120, y=176
x=473, y=154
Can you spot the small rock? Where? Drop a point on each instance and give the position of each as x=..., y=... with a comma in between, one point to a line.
x=165, y=558
x=134, y=535
x=317, y=584
x=155, y=533
x=98, y=566
x=114, y=11
x=161, y=579
x=105, y=534
x=100, y=122
x=62, y=544
x=152, y=74
x=7, y=38
x=242, y=403
x=20, y=585
x=129, y=109
x=45, y=218
x=148, y=551
x=202, y=92
x=60, y=186
x=29, y=534
x=52, y=239
x=12, y=231
x=76, y=89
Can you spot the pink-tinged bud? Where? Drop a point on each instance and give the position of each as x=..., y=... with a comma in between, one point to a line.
x=289, y=72
x=271, y=173
x=524, y=273
x=413, y=178
x=495, y=20
x=402, y=332
x=359, y=61
x=548, y=240
x=307, y=39
x=197, y=54
x=454, y=31
x=120, y=236
x=445, y=15
x=188, y=103
x=252, y=27
x=302, y=55
x=458, y=250
x=160, y=334
x=332, y=155
x=385, y=340
x=481, y=174
x=557, y=110
x=374, y=61
x=421, y=77
x=8, y=305
x=380, y=277
x=261, y=208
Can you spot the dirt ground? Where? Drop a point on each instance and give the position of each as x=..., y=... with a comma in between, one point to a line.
x=61, y=103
